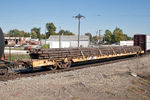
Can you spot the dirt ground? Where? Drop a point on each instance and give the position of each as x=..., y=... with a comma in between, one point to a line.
x=105, y=82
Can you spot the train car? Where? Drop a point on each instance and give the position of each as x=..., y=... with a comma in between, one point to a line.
x=64, y=57
x=143, y=41
x=2, y=44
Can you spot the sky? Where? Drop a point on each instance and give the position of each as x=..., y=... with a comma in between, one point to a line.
x=132, y=16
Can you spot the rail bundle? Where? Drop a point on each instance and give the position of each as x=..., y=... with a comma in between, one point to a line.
x=78, y=52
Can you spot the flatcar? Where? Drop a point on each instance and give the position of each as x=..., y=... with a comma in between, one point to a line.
x=64, y=57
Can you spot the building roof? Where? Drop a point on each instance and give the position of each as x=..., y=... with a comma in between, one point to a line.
x=12, y=37
x=68, y=38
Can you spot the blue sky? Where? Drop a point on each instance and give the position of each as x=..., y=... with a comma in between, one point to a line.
x=133, y=16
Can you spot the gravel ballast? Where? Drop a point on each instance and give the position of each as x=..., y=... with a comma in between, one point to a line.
x=105, y=82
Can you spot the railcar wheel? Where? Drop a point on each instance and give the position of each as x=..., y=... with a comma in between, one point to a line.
x=61, y=65
x=68, y=65
x=137, y=55
x=65, y=65
x=54, y=67
x=4, y=72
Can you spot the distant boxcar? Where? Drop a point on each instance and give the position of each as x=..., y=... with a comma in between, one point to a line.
x=143, y=41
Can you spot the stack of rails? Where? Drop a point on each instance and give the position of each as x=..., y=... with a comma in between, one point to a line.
x=80, y=52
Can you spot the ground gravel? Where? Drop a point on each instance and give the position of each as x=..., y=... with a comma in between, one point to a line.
x=105, y=82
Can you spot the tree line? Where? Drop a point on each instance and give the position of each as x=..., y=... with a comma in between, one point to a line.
x=110, y=37
x=116, y=36
x=36, y=32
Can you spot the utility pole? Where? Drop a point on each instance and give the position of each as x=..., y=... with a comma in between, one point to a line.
x=45, y=35
x=96, y=33
x=60, y=38
x=99, y=36
x=79, y=16
x=96, y=41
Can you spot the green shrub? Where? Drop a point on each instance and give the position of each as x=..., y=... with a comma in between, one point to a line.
x=46, y=46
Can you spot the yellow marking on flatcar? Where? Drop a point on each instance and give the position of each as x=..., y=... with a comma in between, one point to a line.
x=104, y=56
x=142, y=52
x=66, y=60
x=40, y=63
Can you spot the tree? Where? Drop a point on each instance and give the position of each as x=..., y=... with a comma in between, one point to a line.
x=95, y=38
x=118, y=35
x=43, y=36
x=6, y=35
x=61, y=32
x=90, y=35
x=37, y=31
x=15, y=33
x=51, y=29
x=126, y=37
x=108, y=36
x=26, y=34
x=33, y=35
x=65, y=32
x=46, y=46
x=68, y=33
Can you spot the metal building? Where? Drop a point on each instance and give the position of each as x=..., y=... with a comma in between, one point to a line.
x=126, y=43
x=66, y=41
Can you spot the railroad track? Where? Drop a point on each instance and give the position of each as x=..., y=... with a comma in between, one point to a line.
x=74, y=67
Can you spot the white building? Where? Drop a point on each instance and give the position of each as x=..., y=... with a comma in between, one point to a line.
x=66, y=41
x=126, y=43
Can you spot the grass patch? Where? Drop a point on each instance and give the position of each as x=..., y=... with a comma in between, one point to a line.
x=16, y=57
x=15, y=48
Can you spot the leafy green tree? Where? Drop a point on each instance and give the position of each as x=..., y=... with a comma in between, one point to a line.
x=43, y=36
x=51, y=29
x=118, y=35
x=46, y=46
x=90, y=35
x=6, y=35
x=95, y=38
x=61, y=32
x=108, y=36
x=126, y=37
x=15, y=33
x=65, y=32
x=37, y=31
x=26, y=34
x=68, y=33
x=33, y=35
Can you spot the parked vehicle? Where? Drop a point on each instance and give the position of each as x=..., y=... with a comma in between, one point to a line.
x=28, y=48
x=17, y=45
